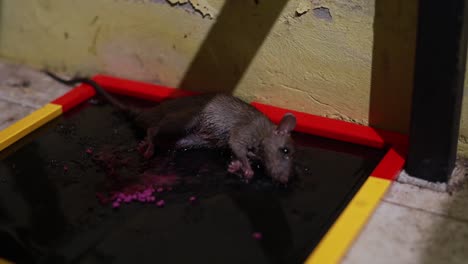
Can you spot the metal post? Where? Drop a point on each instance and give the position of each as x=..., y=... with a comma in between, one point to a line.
x=438, y=89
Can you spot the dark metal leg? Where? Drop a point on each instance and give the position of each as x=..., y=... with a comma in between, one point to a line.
x=438, y=89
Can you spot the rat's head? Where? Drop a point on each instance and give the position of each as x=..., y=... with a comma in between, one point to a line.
x=278, y=150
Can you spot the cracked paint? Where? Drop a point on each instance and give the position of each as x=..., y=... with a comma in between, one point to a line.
x=343, y=117
x=201, y=7
x=204, y=8
x=92, y=48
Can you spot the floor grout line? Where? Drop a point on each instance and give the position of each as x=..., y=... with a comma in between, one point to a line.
x=9, y=100
x=454, y=218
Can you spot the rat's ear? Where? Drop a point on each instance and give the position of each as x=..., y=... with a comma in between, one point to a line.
x=287, y=124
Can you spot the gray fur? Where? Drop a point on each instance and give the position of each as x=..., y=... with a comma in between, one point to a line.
x=219, y=121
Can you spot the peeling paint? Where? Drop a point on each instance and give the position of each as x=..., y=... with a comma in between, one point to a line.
x=182, y=4
x=463, y=139
x=319, y=10
x=463, y=145
x=204, y=8
x=303, y=7
x=364, y=6
x=323, y=13
x=200, y=6
x=343, y=117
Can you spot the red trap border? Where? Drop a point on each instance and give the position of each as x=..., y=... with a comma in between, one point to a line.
x=340, y=236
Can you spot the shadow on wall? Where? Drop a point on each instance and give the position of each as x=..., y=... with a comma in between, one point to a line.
x=243, y=25
x=225, y=55
x=395, y=26
x=233, y=41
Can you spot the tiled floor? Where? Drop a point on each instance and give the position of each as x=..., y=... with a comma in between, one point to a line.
x=411, y=225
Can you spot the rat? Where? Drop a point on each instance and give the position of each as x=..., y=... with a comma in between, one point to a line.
x=214, y=120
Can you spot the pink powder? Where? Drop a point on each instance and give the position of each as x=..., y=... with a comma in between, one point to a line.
x=192, y=199
x=257, y=235
x=65, y=168
x=123, y=188
x=135, y=193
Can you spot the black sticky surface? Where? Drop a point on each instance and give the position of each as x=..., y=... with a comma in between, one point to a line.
x=49, y=211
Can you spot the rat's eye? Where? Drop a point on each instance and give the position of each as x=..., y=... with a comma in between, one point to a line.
x=284, y=150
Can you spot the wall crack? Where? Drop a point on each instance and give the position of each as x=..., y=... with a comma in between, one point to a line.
x=335, y=113
x=93, y=48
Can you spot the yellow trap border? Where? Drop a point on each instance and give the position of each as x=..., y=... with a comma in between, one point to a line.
x=28, y=124
x=339, y=237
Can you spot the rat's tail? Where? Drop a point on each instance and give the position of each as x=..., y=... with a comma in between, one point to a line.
x=98, y=89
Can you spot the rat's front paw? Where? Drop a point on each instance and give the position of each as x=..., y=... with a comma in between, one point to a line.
x=248, y=173
x=234, y=166
x=142, y=146
x=149, y=151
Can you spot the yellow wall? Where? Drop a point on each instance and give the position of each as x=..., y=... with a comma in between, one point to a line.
x=309, y=55
x=463, y=139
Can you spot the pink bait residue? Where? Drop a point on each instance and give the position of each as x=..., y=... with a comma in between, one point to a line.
x=89, y=150
x=129, y=179
x=257, y=235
